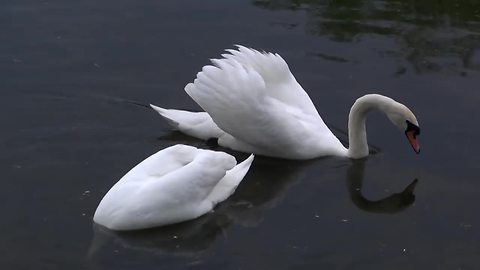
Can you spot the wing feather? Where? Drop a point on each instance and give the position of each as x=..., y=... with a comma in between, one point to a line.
x=168, y=187
x=254, y=97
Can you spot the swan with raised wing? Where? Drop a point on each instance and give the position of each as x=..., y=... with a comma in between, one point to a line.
x=254, y=104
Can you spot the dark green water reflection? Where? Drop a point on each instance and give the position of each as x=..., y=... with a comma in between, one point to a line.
x=433, y=35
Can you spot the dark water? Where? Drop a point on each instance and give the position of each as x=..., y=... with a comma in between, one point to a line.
x=70, y=70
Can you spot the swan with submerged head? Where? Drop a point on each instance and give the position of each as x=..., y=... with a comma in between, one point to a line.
x=254, y=104
x=176, y=184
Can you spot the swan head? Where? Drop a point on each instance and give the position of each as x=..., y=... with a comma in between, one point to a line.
x=405, y=120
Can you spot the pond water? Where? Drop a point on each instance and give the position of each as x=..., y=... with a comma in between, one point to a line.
x=72, y=73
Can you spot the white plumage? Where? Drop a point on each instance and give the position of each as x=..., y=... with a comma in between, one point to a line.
x=254, y=104
x=174, y=185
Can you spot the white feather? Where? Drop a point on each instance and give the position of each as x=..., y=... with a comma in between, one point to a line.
x=254, y=104
x=255, y=98
x=174, y=185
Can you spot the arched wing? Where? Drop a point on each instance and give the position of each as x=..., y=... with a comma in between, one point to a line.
x=255, y=98
x=279, y=81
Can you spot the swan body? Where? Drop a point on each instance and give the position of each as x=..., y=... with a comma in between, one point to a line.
x=254, y=104
x=173, y=185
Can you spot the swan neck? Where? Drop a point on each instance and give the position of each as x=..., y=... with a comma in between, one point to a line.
x=357, y=132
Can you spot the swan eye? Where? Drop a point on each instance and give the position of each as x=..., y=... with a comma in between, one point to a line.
x=412, y=127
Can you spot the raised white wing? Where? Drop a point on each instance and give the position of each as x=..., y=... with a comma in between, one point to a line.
x=254, y=97
x=274, y=71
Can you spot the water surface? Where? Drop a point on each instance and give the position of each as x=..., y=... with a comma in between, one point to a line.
x=71, y=72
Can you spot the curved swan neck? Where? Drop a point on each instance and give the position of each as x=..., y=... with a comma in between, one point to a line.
x=357, y=133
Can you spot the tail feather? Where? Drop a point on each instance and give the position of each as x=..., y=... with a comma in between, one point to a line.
x=166, y=115
x=196, y=124
x=230, y=182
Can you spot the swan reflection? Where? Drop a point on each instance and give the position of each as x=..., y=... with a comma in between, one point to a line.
x=393, y=203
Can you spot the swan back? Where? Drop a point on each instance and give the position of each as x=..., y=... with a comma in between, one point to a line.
x=170, y=186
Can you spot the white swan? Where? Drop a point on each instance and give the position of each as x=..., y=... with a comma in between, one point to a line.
x=173, y=185
x=254, y=104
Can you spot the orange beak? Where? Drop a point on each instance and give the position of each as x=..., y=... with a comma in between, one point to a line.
x=413, y=140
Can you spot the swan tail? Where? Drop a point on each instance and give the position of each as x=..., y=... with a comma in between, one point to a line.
x=230, y=182
x=167, y=115
x=197, y=124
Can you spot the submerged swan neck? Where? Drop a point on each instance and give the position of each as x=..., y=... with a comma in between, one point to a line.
x=357, y=133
